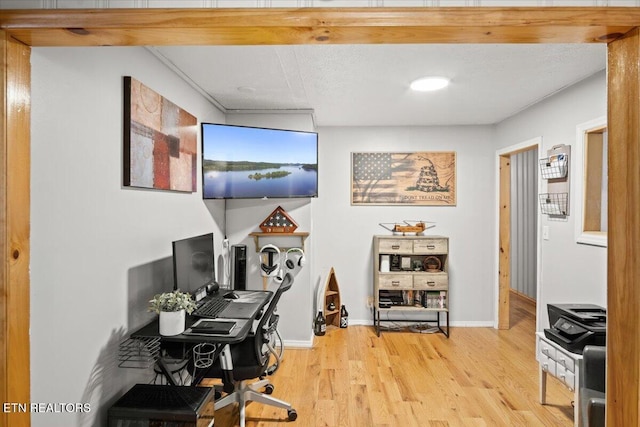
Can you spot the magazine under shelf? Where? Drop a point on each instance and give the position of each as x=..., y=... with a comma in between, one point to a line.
x=554, y=203
x=554, y=167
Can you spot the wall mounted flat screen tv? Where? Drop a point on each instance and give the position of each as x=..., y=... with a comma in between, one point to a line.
x=241, y=162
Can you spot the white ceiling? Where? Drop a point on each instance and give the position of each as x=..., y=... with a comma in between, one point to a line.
x=368, y=85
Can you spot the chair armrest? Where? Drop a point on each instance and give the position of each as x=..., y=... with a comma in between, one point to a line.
x=595, y=412
x=594, y=367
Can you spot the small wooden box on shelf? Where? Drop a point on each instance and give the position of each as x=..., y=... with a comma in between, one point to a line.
x=411, y=274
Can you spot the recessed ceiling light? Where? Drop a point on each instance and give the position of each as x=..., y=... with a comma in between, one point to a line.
x=246, y=89
x=427, y=84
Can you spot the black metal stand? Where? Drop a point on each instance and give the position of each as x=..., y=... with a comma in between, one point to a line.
x=377, y=320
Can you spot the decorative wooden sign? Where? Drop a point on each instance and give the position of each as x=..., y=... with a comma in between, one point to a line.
x=278, y=221
x=417, y=178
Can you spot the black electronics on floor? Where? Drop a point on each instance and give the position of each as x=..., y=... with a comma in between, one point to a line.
x=163, y=405
x=239, y=267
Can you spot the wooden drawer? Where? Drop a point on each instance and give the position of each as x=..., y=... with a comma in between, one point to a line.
x=396, y=281
x=430, y=246
x=431, y=281
x=395, y=246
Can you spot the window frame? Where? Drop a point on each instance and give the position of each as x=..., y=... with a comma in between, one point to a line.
x=594, y=238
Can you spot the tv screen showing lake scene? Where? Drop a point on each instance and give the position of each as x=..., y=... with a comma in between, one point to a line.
x=249, y=162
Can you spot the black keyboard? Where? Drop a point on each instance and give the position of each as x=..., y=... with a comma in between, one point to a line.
x=212, y=308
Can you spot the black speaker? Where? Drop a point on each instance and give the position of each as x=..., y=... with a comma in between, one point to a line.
x=239, y=267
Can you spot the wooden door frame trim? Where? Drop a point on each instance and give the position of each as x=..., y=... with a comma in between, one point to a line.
x=134, y=27
x=131, y=27
x=15, y=229
x=504, y=240
x=623, y=235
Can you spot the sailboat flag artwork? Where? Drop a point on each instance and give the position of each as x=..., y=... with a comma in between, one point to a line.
x=278, y=221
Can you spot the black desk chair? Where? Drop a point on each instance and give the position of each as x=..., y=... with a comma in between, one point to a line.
x=592, y=392
x=250, y=360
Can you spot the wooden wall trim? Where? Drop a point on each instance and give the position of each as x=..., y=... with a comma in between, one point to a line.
x=593, y=162
x=4, y=265
x=325, y=26
x=623, y=266
x=14, y=229
x=205, y=26
x=504, y=256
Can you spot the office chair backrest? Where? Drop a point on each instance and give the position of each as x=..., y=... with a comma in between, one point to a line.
x=262, y=355
x=251, y=356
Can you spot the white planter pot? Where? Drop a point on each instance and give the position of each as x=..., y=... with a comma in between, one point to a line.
x=172, y=322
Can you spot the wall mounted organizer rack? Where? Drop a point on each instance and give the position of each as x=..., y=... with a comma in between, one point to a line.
x=555, y=169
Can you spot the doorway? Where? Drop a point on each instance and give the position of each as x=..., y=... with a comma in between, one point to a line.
x=518, y=230
x=111, y=27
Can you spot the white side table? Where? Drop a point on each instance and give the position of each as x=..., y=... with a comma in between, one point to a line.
x=562, y=364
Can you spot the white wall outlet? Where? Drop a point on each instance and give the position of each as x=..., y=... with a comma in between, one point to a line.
x=545, y=232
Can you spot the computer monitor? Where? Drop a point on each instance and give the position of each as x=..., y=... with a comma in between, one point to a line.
x=193, y=265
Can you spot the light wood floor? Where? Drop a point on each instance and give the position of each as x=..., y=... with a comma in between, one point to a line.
x=477, y=377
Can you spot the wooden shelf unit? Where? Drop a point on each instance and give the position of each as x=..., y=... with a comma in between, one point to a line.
x=407, y=278
x=332, y=295
x=302, y=235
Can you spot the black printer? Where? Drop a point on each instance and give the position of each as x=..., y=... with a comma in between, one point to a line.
x=574, y=326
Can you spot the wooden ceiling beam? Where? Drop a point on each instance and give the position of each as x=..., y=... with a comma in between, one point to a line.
x=271, y=26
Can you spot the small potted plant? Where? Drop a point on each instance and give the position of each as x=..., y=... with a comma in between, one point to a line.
x=172, y=306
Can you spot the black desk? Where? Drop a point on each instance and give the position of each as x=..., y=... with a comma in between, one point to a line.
x=222, y=342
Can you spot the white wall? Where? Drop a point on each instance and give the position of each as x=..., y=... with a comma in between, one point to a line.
x=343, y=234
x=98, y=251
x=245, y=216
x=571, y=272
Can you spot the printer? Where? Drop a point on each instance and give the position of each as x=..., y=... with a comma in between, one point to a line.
x=573, y=326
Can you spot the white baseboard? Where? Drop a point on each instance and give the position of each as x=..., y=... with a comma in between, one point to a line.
x=458, y=324
x=298, y=344
x=473, y=324
x=369, y=322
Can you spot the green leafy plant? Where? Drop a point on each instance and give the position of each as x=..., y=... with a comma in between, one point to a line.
x=172, y=301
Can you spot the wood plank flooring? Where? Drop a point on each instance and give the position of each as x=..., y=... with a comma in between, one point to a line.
x=478, y=377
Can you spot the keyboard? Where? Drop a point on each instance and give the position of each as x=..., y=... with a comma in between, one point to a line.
x=211, y=308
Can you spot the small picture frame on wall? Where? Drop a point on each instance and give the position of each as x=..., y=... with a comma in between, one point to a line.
x=417, y=178
x=160, y=141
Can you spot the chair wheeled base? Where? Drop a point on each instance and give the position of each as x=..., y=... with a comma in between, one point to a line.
x=249, y=360
x=246, y=392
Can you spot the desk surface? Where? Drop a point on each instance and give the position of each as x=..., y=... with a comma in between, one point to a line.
x=238, y=334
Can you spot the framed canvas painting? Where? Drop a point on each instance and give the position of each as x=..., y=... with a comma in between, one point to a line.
x=160, y=141
x=419, y=178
